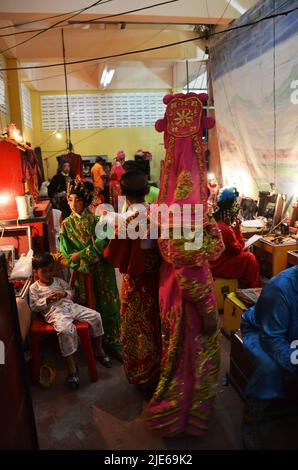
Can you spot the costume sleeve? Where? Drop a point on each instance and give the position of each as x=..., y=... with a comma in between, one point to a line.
x=65, y=244
x=67, y=248
x=92, y=252
x=239, y=237
x=108, y=224
x=37, y=303
x=89, y=255
x=272, y=313
x=232, y=240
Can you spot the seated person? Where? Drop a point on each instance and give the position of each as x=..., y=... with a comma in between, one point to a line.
x=234, y=261
x=52, y=297
x=268, y=330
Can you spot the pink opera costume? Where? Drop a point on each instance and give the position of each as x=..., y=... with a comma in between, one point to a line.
x=183, y=400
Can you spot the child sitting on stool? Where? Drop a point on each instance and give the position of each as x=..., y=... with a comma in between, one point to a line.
x=52, y=297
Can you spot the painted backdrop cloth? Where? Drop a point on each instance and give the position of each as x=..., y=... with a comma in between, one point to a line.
x=254, y=79
x=140, y=324
x=268, y=330
x=186, y=390
x=78, y=236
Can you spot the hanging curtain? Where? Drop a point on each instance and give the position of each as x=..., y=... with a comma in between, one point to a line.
x=254, y=70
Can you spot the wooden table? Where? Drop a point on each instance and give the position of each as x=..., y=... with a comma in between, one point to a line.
x=42, y=227
x=292, y=258
x=273, y=256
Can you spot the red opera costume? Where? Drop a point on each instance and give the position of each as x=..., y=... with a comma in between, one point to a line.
x=234, y=262
x=140, y=328
x=115, y=177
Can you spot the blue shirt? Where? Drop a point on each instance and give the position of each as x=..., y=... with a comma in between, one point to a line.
x=275, y=317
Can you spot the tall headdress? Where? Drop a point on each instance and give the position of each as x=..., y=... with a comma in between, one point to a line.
x=184, y=176
x=227, y=205
x=120, y=156
x=78, y=187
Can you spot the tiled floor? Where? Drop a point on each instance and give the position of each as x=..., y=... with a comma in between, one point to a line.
x=109, y=414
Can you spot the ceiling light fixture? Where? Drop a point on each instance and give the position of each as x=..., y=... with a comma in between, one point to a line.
x=238, y=6
x=107, y=76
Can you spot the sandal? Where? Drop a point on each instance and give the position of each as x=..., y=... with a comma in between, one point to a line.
x=47, y=376
x=114, y=352
x=104, y=361
x=73, y=381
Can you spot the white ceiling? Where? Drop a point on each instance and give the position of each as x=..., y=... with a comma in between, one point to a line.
x=143, y=29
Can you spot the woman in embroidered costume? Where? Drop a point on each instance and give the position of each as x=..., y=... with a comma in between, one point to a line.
x=183, y=400
x=84, y=252
x=234, y=261
x=140, y=327
x=117, y=171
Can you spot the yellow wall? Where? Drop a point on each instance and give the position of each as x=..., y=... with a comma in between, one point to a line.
x=14, y=102
x=96, y=141
x=14, y=94
x=5, y=118
x=4, y=121
x=28, y=133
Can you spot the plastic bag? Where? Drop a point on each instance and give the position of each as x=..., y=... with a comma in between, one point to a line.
x=44, y=189
x=23, y=267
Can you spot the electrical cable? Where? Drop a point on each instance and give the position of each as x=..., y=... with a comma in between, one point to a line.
x=176, y=43
x=52, y=26
x=24, y=23
x=59, y=25
x=274, y=102
x=202, y=61
x=234, y=121
x=17, y=25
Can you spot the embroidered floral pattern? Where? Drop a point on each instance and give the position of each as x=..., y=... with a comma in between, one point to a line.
x=78, y=236
x=167, y=167
x=184, y=116
x=140, y=332
x=184, y=185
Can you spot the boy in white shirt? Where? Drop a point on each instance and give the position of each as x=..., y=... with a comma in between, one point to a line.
x=52, y=297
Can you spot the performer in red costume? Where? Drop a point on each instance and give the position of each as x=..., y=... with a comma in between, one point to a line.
x=234, y=262
x=140, y=324
x=117, y=171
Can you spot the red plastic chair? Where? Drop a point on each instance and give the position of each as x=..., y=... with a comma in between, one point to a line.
x=40, y=328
